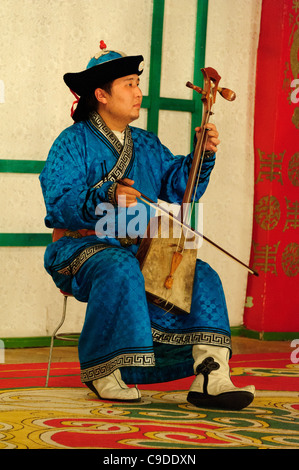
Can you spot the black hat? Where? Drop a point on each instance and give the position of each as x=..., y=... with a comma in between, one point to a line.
x=103, y=68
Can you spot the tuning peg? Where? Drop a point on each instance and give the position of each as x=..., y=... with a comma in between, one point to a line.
x=227, y=94
x=196, y=88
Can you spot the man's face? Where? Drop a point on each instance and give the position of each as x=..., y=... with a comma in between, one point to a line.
x=122, y=105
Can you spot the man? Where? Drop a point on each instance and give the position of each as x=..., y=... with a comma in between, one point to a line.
x=125, y=339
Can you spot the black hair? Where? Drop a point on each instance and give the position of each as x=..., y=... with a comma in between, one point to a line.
x=88, y=103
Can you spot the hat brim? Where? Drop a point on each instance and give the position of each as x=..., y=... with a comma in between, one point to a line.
x=92, y=78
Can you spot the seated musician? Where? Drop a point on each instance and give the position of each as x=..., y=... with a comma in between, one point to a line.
x=125, y=338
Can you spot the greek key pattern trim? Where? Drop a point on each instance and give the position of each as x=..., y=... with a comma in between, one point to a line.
x=76, y=264
x=213, y=339
x=123, y=360
x=125, y=152
x=111, y=194
x=101, y=126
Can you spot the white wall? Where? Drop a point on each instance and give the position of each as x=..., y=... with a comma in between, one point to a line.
x=43, y=39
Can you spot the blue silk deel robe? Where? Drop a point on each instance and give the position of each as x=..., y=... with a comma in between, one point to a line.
x=122, y=329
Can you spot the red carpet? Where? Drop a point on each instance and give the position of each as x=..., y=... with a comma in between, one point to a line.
x=66, y=415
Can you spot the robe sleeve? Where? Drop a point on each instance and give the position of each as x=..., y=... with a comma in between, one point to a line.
x=70, y=201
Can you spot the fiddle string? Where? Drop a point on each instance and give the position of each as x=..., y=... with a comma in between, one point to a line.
x=197, y=179
x=202, y=145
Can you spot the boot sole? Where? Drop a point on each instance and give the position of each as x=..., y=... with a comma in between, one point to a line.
x=234, y=401
x=94, y=390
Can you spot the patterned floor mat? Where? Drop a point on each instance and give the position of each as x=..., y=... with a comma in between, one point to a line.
x=68, y=416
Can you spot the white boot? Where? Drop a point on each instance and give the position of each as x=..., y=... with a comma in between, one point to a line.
x=112, y=387
x=212, y=387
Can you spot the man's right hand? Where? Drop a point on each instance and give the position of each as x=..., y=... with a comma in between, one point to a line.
x=125, y=194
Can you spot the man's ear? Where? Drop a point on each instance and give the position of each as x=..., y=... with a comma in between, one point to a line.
x=100, y=95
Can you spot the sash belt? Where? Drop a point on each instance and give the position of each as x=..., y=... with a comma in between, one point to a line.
x=84, y=232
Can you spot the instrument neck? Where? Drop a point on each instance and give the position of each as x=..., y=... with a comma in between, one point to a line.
x=195, y=170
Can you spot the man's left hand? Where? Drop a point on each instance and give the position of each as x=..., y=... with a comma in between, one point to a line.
x=212, y=137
